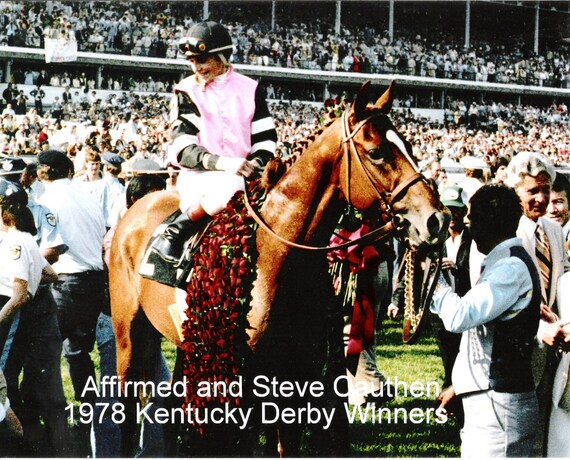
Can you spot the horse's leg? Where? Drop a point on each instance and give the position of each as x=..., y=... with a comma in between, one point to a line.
x=155, y=299
x=304, y=345
x=171, y=430
x=334, y=441
x=124, y=309
x=125, y=283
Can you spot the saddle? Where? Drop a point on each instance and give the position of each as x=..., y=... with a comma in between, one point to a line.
x=156, y=268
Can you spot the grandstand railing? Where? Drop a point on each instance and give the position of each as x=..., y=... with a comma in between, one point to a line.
x=98, y=61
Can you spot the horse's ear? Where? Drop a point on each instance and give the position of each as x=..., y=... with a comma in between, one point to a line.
x=384, y=102
x=361, y=102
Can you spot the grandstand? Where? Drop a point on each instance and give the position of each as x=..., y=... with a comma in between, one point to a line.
x=481, y=31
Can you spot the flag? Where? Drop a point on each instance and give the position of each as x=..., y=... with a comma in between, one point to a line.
x=60, y=50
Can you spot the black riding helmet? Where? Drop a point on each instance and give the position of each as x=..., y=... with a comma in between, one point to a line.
x=206, y=39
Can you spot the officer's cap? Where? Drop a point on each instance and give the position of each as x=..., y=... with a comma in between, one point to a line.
x=9, y=166
x=13, y=192
x=112, y=159
x=55, y=159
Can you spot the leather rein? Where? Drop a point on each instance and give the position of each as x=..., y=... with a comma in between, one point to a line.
x=351, y=155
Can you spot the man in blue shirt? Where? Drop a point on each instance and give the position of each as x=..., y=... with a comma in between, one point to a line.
x=498, y=319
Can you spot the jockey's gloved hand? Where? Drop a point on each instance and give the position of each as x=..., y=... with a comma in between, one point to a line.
x=239, y=166
x=258, y=166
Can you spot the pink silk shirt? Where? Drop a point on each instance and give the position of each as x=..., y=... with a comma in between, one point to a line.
x=227, y=107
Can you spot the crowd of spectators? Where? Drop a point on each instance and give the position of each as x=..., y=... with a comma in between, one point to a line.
x=135, y=126
x=80, y=82
x=145, y=29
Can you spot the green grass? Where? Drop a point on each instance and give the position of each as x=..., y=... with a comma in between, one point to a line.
x=386, y=437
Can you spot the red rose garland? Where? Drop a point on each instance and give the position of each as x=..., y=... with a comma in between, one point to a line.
x=218, y=300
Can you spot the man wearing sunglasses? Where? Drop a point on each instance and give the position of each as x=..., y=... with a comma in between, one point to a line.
x=222, y=132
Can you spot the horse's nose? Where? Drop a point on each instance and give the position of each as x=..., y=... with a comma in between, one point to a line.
x=437, y=225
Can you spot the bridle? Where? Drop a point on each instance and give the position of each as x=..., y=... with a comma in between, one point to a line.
x=350, y=154
x=414, y=308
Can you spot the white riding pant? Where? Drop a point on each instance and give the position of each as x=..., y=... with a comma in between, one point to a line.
x=211, y=189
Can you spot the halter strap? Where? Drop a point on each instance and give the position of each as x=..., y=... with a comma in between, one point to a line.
x=389, y=198
x=403, y=187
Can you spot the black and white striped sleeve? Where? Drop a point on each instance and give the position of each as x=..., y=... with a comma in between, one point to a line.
x=263, y=132
x=185, y=120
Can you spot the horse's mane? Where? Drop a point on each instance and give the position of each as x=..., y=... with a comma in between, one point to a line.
x=278, y=166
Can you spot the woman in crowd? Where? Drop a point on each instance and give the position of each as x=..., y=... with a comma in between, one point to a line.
x=22, y=270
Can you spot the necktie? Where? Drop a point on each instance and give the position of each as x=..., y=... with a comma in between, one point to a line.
x=544, y=262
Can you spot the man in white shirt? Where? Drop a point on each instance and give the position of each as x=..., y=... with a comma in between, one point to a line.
x=80, y=292
x=115, y=190
x=8, y=110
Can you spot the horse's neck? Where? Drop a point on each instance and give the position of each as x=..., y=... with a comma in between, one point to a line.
x=298, y=208
x=303, y=207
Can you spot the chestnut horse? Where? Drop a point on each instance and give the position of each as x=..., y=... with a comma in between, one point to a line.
x=294, y=331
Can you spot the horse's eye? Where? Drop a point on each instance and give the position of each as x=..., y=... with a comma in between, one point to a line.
x=381, y=153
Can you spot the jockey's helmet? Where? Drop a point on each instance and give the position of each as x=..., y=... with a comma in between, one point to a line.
x=206, y=39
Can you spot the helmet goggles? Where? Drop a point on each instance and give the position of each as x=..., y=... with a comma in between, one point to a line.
x=191, y=46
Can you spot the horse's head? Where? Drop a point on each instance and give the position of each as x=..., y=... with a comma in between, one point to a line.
x=378, y=166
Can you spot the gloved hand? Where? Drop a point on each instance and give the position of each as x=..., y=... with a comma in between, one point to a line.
x=258, y=166
x=239, y=166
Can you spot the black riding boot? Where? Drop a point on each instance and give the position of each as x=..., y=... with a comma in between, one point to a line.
x=170, y=244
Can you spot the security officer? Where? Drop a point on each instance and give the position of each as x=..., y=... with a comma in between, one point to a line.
x=36, y=349
x=80, y=292
x=33, y=340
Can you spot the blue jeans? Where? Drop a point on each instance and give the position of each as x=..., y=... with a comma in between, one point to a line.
x=7, y=334
x=79, y=297
x=106, y=436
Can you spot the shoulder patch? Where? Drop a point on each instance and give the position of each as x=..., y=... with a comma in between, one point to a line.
x=16, y=251
x=50, y=219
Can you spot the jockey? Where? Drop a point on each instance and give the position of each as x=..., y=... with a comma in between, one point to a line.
x=222, y=132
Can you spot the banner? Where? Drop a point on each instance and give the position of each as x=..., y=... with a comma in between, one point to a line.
x=60, y=50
